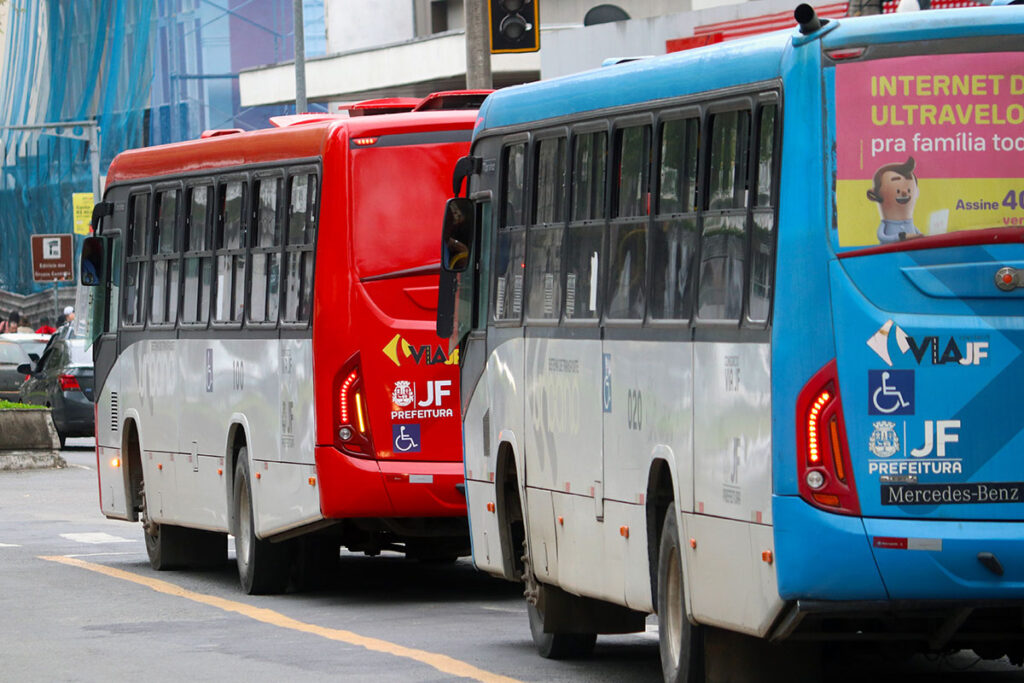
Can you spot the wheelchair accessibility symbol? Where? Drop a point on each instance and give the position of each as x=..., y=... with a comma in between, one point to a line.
x=406, y=438
x=890, y=392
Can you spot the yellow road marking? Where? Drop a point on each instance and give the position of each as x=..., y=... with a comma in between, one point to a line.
x=443, y=663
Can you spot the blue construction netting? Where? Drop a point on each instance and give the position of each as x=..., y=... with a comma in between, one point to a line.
x=146, y=71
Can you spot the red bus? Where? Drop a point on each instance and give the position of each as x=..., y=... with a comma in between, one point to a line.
x=262, y=319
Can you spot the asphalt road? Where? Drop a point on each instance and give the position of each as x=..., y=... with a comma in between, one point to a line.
x=79, y=602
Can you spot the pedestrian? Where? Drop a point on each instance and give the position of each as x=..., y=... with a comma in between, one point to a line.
x=11, y=324
x=23, y=325
x=4, y=324
x=45, y=327
x=69, y=314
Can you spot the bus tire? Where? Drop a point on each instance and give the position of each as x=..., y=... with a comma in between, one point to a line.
x=679, y=642
x=175, y=547
x=263, y=567
x=556, y=645
x=161, y=540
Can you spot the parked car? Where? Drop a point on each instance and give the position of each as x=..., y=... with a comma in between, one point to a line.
x=63, y=380
x=15, y=350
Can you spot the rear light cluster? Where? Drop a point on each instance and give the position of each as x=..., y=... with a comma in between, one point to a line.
x=823, y=457
x=351, y=419
x=68, y=382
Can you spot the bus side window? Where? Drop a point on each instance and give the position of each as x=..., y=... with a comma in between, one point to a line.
x=628, y=234
x=231, y=243
x=298, y=278
x=585, y=239
x=674, y=242
x=762, y=238
x=136, y=275
x=545, y=239
x=198, y=256
x=724, y=234
x=264, y=293
x=509, y=254
x=164, y=304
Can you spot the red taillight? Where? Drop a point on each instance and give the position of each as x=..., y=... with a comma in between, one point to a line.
x=824, y=473
x=352, y=423
x=68, y=382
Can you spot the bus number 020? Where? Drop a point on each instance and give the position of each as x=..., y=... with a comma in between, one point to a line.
x=634, y=409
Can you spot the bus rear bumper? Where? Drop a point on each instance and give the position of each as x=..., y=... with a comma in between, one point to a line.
x=822, y=556
x=949, y=560
x=361, y=487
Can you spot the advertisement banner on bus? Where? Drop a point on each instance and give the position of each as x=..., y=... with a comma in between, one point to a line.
x=927, y=145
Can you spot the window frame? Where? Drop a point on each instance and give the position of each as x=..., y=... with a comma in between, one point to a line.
x=693, y=111
x=589, y=127
x=283, y=198
x=501, y=227
x=309, y=245
x=761, y=101
x=223, y=181
x=726, y=105
x=141, y=310
x=646, y=122
x=533, y=227
x=207, y=252
x=173, y=256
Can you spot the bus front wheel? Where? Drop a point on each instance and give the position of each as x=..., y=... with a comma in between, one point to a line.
x=263, y=567
x=679, y=641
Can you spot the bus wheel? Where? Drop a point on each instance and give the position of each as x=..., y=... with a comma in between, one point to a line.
x=549, y=645
x=679, y=641
x=172, y=547
x=263, y=567
x=556, y=645
x=162, y=553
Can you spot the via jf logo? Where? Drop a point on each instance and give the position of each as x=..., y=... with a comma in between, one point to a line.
x=972, y=353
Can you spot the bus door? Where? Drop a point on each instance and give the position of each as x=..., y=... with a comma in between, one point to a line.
x=929, y=314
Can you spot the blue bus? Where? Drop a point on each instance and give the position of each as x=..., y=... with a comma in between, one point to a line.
x=741, y=331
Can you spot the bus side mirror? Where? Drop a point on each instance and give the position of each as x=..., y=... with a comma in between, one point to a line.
x=99, y=212
x=457, y=235
x=456, y=247
x=92, y=261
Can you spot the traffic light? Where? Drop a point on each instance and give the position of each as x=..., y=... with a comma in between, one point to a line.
x=515, y=25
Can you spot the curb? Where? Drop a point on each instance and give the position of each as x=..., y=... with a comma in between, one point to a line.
x=28, y=440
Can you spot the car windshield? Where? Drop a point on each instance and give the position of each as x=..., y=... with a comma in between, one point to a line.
x=11, y=353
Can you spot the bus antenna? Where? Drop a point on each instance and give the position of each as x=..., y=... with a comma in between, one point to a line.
x=808, y=19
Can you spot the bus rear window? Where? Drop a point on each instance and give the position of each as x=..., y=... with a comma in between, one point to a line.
x=928, y=145
x=396, y=210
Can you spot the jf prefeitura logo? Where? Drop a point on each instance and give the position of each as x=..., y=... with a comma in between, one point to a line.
x=927, y=145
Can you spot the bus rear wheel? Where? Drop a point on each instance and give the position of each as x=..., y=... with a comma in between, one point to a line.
x=679, y=641
x=263, y=567
x=173, y=547
x=556, y=645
